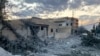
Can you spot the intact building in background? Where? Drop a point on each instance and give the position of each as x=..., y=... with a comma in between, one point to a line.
x=62, y=27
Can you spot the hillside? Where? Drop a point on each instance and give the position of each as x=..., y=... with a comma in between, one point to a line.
x=90, y=26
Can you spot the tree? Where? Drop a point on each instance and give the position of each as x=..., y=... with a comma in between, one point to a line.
x=93, y=30
x=81, y=30
x=90, y=40
x=2, y=7
x=98, y=29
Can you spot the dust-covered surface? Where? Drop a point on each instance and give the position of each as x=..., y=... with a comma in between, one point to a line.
x=62, y=47
x=4, y=53
x=69, y=46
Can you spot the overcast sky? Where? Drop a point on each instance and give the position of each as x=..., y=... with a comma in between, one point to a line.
x=86, y=10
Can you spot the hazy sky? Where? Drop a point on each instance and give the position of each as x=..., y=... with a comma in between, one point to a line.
x=86, y=10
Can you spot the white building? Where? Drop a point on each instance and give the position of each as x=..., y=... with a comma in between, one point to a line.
x=62, y=27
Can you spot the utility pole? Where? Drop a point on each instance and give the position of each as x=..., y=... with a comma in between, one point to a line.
x=99, y=21
x=72, y=13
x=72, y=30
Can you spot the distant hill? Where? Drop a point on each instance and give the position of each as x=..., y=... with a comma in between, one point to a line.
x=90, y=26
